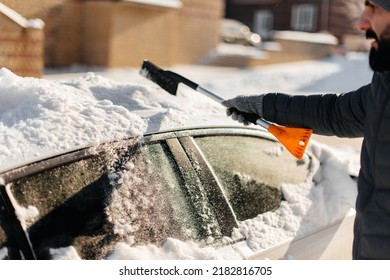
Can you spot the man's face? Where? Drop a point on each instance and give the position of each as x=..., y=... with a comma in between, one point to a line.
x=375, y=21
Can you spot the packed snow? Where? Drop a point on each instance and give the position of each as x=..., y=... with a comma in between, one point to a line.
x=68, y=110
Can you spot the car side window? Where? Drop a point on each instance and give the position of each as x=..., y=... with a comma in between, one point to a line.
x=68, y=202
x=251, y=171
x=90, y=205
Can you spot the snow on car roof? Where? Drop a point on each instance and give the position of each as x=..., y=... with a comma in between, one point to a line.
x=42, y=117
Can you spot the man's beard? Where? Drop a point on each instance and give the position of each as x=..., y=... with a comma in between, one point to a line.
x=379, y=57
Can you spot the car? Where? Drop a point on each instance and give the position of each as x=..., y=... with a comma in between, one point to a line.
x=230, y=191
x=235, y=32
x=97, y=169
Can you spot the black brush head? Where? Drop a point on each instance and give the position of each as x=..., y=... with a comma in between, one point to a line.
x=159, y=76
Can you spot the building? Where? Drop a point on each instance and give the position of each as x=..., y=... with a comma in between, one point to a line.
x=120, y=33
x=337, y=17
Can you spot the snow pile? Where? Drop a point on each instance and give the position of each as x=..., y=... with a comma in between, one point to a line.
x=172, y=249
x=319, y=38
x=176, y=4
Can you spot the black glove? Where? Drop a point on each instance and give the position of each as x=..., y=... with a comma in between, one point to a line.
x=245, y=109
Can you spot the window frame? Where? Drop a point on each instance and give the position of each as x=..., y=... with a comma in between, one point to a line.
x=304, y=17
x=264, y=22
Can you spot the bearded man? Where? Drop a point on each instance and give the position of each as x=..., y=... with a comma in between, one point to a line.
x=365, y=113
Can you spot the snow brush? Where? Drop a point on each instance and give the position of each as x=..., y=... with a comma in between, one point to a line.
x=295, y=140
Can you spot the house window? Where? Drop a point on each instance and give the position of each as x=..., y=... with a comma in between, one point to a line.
x=304, y=17
x=264, y=23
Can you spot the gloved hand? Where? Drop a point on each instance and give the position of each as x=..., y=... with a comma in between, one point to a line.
x=241, y=106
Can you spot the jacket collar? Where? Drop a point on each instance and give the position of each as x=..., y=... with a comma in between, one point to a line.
x=385, y=78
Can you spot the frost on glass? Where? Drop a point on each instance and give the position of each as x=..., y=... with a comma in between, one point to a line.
x=70, y=200
x=251, y=171
x=148, y=204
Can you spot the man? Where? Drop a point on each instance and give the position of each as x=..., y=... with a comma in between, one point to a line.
x=364, y=112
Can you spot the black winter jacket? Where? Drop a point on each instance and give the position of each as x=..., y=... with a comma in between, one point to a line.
x=364, y=112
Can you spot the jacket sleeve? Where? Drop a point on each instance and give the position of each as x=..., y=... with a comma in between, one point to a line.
x=340, y=115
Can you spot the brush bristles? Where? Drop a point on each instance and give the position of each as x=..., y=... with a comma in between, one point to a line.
x=158, y=76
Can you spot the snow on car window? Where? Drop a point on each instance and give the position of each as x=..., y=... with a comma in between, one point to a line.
x=147, y=204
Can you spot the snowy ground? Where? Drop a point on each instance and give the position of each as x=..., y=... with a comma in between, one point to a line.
x=79, y=106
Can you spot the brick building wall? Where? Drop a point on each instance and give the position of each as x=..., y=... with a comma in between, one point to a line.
x=62, y=27
x=21, y=46
x=126, y=33
x=344, y=16
x=199, y=28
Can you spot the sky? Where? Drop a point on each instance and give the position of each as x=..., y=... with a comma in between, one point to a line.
x=78, y=107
